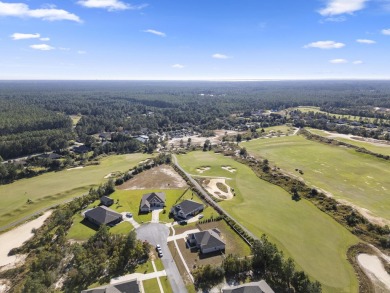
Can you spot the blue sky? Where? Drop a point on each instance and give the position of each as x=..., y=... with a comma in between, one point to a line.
x=194, y=39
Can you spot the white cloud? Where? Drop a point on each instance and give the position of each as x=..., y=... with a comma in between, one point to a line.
x=19, y=36
x=336, y=7
x=42, y=47
x=338, y=61
x=110, y=5
x=154, y=32
x=81, y=52
x=22, y=10
x=325, y=45
x=334, y=19
x=365, y=41
x=357, y=62
x=44, y=39
x=63, y=49
x=220, y=56
x=386, y=32
x=177, y=66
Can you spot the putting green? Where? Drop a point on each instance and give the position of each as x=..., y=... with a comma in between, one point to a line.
x=358, y=178
x=313, y=239
x=56, y=187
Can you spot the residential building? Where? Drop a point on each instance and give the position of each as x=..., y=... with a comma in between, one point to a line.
x=186, y=209
x=103, y=216
x=151, y=201
x=106, y=201
x=253, y=287
x=206, y=241
x=131, y=286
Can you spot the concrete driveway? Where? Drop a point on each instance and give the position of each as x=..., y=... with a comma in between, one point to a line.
x=155, y=234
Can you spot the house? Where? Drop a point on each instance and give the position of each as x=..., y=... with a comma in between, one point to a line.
x=104, y=136
x=206, y=241
x=151, y=201
x=186, y=209
x=253, y=287
x=103, y=216
x=131, y=286
x=142, y=138
x=106, y=201
x=81, y=149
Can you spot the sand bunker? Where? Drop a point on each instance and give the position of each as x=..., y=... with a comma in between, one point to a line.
x=229, y=168
x=16, y=238
x=75, y=168
x=213, y=189
x=202, y=169
x=372, y=265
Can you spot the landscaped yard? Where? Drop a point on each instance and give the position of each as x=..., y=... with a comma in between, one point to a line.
x=314, y=240
x=56, y=187
x=358, y=178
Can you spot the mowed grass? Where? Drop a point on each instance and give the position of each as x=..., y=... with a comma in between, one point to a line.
x=314, y=240
x=349, y=175
x=379, y=149
x=56, y=187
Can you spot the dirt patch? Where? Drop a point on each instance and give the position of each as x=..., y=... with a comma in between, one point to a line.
x=202, y=169
x=376, y=142
x=161, y=177
x=229, y=168
x=5, y=285
x=374, y=268
x=15, y=238
x=213, y=189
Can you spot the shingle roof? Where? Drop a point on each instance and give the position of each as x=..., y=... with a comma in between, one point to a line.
x=187, y=206
x=148, y=198
x=208, y=239
x=102, y=215
x=124, y=287
x=254, y=287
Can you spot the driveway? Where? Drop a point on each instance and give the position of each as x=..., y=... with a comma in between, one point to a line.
x=156, y=233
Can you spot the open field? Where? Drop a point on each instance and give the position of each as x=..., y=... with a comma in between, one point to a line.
x=56, y=187
x=360, y=179
x=375, y=147
x=314, y=240
x=281, y=129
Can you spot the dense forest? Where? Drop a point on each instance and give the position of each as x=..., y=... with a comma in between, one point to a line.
x=34, y=116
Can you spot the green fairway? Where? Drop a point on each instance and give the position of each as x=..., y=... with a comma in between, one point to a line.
x=358, y=178
x=56, y=187
x=379, y=149
x=314, y=240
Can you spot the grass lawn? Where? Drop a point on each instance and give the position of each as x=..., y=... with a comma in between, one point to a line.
x=358, y=178
x=281, y=129
x=165, y=284
x=151, y=285
x=314, y=240
x=379, y=149
x=56, y=187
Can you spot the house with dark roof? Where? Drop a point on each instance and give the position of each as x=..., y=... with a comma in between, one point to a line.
x=206, y=241
x=186, y=209
x=253, y=287
x=106, y=201
x=103, y=216
x=122, y=287
x=151, y=201
x=51, y=156
x=81, y=149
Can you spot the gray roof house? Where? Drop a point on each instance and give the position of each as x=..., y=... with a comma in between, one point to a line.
x=151, y=201
x=206, y=241
x=103, y=216
x=186, y=209
x=123, y=287
x=106, y=201
x=254, y=287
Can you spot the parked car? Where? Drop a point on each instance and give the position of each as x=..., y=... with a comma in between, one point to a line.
x=183, y=222
x=160, y=254
x=200, y=217
x=129, y=215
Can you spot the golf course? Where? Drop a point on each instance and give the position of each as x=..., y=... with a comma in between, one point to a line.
x=314, y=240
x=358, y=178
x=55, y=187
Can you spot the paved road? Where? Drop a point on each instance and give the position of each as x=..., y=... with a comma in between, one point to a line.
x=156, y=233
x=208, y=197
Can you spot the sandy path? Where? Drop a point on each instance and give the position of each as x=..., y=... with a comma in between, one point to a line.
x=372, y=265
x=376, y=142
x=15, y=238
x=75, y=168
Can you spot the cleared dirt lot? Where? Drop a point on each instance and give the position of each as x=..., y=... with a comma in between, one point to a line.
x=161, y=177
